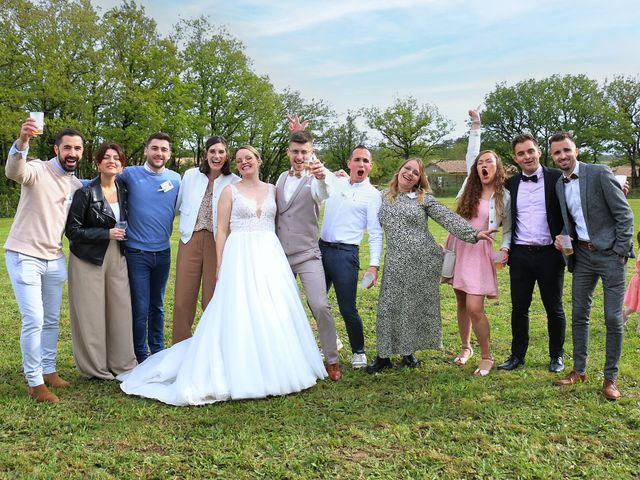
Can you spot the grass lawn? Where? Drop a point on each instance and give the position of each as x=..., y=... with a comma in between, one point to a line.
x=433, y=422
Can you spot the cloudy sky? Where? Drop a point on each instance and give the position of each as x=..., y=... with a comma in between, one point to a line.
x=451, y=53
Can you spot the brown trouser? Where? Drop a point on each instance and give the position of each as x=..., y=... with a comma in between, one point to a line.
x=100, y=315
x=196, y=263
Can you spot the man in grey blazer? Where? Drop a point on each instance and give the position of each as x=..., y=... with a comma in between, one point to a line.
x=298, y=197
x=599, y=221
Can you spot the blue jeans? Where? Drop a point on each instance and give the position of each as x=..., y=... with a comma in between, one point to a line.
x=148, y=275
x=341, y=264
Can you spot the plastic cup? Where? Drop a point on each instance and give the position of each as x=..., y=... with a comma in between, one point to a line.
x=499, y=258
x=622, y=179
x=39, y=118
x=367, y=280
x=567, y=247
x=122, y=225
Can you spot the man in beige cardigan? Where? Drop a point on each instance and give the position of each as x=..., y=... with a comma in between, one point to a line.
x=34, y=257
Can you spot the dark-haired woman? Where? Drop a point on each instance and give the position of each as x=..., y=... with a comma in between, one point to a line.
x=485, y=203
x=198, y=207
x=99, y=298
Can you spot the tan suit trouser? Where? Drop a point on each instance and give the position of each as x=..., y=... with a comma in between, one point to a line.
x=195, y=264
x=311, y=274
x=100, y=315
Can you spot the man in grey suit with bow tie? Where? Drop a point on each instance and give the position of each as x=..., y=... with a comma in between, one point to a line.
x=599, y=220
x=298, y=197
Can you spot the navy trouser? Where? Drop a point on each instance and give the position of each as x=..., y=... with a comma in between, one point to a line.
x=341, y=264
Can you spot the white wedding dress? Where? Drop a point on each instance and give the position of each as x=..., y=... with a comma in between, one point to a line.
x=254, y=338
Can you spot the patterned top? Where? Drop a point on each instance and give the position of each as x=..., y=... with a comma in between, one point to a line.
x=244, y=212
x=205, y=214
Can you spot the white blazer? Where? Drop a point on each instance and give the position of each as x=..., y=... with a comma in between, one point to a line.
x=192, y=188
x=473, y=149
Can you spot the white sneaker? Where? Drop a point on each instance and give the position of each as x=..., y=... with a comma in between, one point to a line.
x=339, y=345
x=359, y=360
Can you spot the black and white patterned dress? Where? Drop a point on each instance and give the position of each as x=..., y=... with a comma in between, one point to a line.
x=408, y=317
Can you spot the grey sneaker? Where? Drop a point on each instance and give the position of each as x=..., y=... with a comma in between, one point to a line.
x=359, y=360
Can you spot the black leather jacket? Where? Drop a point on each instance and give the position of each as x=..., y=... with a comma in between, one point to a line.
x=90, y=219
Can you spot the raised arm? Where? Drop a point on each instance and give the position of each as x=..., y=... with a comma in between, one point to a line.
x=473, y=147
x=224, y=219
x=17, y=168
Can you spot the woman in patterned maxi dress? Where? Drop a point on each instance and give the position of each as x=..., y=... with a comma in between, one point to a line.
x=408, y=317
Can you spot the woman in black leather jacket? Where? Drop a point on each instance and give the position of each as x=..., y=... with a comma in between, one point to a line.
x=99, y=299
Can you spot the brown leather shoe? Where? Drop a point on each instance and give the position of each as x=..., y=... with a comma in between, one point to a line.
x=333, y=369
x=42, y=394
x=610, y=390
x=54, y=380
x=571, y=379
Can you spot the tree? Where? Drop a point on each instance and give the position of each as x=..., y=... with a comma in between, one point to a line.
x=142, y=71
x=52, y=54
x=219, y=81
x=408, y=129
x=542, y=107
x=337, y=142
x=623, y=93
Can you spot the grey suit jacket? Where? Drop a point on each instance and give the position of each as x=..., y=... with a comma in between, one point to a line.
x=607, y=213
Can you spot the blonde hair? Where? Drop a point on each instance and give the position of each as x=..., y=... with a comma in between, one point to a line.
x=251, y=149
x=421, y=188
x=468, y=202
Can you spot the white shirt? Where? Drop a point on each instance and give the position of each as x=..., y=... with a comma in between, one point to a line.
x=14, y=149
x=115, y=208
x=350, y=210
x=574, y=204
x=319, y=188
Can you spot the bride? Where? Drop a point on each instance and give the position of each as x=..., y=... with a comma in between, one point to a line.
x=253, y=339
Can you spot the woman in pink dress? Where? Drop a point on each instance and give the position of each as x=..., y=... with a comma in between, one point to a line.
x=632, y=295
x=486, y=204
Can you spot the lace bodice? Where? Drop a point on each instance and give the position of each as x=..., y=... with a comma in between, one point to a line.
x=243, y=212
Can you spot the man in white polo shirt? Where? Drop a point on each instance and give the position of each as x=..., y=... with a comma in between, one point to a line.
x=351, y=209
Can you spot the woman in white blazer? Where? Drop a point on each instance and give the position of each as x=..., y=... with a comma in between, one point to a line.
x=485, y=202
x=197, y=205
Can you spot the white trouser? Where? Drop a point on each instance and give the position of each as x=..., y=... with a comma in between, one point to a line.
x=37, y=285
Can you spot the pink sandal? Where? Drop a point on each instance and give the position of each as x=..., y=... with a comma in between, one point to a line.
x=463, y=358
x=484, y=367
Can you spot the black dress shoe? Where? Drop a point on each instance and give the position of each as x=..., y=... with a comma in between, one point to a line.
x=410, y=361
x=511, y=364
x=556, y=364
x=379, y=364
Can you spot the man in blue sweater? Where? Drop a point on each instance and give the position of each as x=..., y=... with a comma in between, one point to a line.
x=153, y=190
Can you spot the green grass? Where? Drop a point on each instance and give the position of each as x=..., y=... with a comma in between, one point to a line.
x=434, y=422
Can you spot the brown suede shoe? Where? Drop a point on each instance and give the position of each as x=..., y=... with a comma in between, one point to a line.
x=333, y=369
x=54, y=380
x=610, y=390
x=42, y=394
x=571, y=379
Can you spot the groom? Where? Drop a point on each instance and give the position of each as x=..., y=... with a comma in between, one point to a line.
x=298, y=198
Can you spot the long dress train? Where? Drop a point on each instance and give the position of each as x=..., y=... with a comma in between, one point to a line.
x=254, y=338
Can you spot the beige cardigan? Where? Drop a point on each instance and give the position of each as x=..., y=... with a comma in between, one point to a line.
x=42, y=211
